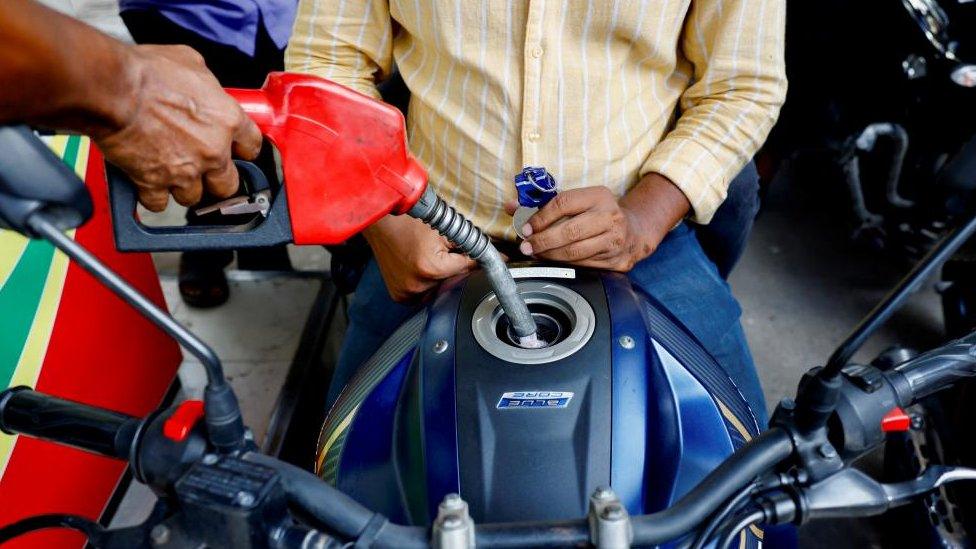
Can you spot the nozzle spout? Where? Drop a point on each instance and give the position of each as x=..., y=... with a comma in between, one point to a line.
x=432, y=210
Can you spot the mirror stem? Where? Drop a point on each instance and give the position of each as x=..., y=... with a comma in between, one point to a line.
x=222, y=411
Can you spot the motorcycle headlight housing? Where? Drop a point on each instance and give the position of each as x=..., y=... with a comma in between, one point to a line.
x=964, y=75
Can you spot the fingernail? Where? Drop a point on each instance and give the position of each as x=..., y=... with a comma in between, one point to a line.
x=527, y=230
x=526, y=248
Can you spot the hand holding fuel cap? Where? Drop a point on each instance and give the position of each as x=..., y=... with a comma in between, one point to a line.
x=592, y=227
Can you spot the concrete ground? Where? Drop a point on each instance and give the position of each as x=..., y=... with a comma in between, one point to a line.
x=803, y=286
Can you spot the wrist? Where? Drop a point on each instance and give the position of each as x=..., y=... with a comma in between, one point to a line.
x=654, y=206
x=111, y=103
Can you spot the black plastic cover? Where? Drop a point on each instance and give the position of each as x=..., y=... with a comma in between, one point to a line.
x=229, y=502
x=34, y=179
x=510, y=458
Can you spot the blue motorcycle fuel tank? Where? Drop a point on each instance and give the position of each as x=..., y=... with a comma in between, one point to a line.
x=622, y=396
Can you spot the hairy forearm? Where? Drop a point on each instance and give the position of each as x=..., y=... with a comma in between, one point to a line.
x=57, y=72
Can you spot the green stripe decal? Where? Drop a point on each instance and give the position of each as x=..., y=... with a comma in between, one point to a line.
x=71, y=151
x=19, y=299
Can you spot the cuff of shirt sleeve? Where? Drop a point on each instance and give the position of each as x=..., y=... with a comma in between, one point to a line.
x=694, y=170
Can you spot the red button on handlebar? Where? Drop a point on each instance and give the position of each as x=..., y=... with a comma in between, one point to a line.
x=896, y=421
x=179, y=425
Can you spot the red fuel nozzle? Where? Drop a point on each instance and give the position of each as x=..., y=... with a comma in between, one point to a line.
x=345, y=153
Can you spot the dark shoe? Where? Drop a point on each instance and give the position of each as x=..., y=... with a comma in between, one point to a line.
x=271, y=258
x=203, y=286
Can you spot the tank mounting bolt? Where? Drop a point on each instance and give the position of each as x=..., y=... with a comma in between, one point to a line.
x=627, y=342
x=440, y=346
x=159, y=535
x=210, y=459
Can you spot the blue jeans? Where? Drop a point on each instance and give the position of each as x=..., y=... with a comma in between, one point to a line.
x=678, y=274
x=724, y=238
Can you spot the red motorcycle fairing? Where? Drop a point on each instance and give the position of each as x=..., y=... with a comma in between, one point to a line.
x=96, y=350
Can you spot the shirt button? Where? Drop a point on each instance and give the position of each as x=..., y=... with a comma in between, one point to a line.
x=537, y=52
x=534, y=136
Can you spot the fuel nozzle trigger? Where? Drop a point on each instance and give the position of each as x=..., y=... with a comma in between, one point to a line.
x=255, y=197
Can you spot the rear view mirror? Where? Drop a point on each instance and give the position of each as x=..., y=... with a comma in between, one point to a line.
x=33, y=179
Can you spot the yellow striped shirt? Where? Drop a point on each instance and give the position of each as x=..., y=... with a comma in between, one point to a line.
x=598, y=92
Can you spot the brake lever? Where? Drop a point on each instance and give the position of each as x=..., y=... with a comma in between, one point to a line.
x=852, y=493
x=933, y=478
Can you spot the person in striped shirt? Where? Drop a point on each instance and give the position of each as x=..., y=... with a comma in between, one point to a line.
x=644, y=110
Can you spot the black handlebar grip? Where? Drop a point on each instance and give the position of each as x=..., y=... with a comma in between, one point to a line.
x=935, y=370
x=132, y=236
x=25, y=411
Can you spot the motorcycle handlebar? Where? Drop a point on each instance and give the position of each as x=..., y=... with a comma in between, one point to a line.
x=104, y=432
x=935, y=370
x=337, y=511
x=24, y=411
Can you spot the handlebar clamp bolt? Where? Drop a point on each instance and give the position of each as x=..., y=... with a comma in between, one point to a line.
x=609, y=523
x=613, y=512
x=452, y=502
x=453, y=527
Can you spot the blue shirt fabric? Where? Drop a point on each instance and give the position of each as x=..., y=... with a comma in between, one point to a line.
x=230, y=22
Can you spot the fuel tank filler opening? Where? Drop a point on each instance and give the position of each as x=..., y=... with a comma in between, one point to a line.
x=563, y=318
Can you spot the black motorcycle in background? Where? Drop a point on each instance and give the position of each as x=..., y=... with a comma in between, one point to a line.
x=884, y=92
x=882, y=109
